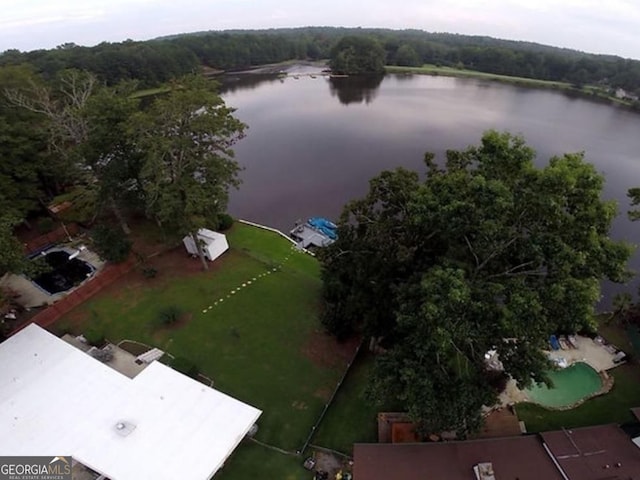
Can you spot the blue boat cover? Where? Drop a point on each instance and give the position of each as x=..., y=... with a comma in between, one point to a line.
x=327, y=227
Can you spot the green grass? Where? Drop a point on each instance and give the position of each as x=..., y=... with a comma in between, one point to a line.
x=613, y=407
x=350, y=419
x=457, y=72
x=610, y=408
x=251, y=460
x=251, y=343
x=589, y=91
x=613, y=333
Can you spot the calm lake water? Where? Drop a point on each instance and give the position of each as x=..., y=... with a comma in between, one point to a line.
x=314, y=143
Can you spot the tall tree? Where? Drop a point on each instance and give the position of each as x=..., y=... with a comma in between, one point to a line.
x=60, y=107
x=488, y=253
x=354, y=55
x=24, y=170
x=87, y=125
x=407, y=56
x=111, y=152
x=187, y=135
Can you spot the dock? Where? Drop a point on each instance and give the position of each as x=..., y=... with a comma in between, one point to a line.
x=307, y=236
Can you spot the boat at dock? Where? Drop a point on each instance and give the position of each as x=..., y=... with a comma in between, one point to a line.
x=315, y=232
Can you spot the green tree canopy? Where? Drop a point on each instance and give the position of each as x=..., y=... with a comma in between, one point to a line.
x=487, y=253
x=187, y=135
x=407, y=56
x=354, y=55
x=12, y=258
x=24, y=169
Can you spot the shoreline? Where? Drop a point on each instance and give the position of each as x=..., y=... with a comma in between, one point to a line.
x=586, y=92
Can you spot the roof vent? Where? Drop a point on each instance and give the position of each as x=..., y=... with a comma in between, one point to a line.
x=484, y=471
x=124, y=428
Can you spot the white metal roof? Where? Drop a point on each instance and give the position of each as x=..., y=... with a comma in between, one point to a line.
x=209, y=235
x=57, y=400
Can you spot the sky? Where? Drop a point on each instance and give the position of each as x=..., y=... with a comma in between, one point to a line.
x=598, y=26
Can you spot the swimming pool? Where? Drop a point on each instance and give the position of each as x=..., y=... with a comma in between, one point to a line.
x=65, y=272
x=571, y=385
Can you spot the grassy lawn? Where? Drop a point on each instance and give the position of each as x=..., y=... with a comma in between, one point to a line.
x=350, y=419
x=254, y=343
x=614, y=334
x=251, y=460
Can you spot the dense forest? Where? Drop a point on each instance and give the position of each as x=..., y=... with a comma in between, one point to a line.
x=156, y=61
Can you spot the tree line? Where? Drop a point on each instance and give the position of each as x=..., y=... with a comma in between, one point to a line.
x=155, y=61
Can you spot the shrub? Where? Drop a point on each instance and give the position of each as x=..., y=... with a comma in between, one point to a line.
x=46, y=225
x=63, y=329
x=149, y=272
x=94, y=337
x=225, y=221
x=185, y=366
x=111, y=243
x=169, y=315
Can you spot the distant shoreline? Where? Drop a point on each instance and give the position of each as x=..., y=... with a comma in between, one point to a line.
x=290, y=67
x=588, y=91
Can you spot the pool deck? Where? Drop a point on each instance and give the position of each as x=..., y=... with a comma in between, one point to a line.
x=31, y=296
x=596, y=355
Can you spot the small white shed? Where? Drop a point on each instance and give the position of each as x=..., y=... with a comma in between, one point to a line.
x=213, y=244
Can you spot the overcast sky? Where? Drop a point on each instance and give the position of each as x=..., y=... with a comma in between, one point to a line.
x=600, y=26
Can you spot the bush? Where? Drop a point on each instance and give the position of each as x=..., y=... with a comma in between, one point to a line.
x=225, y=221
x=169, y=315
x=46, y=225
x=94, y=337
x=111, y=244
x=149, y=272
x=185, y=366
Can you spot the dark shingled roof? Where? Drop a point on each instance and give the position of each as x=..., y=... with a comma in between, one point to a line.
x=595, y=453
x=522, y=458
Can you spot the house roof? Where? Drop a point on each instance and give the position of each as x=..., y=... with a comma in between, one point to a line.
x=594, y=453
x=515, y=457
x=57, y=400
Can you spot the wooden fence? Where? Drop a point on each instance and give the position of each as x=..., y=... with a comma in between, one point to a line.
x=63, y=232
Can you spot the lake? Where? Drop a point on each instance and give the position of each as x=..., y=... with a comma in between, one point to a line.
x=314, y=143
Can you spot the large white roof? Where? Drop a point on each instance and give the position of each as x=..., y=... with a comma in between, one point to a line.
x=57, y=400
